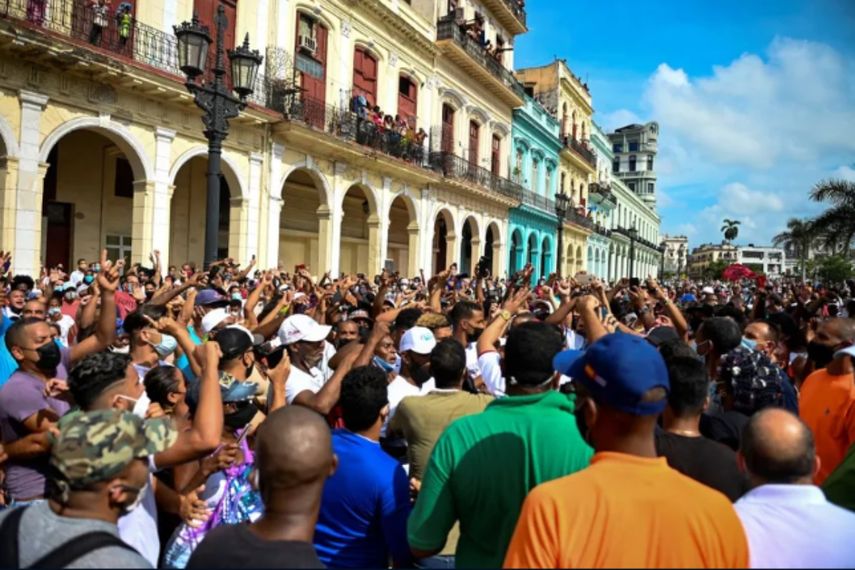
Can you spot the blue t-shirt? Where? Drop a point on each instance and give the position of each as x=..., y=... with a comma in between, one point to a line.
x=183, y=363
x=7, y=361
x=364, y=507
x=688, y=298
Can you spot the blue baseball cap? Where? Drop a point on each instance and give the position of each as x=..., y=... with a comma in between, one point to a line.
x=618, y=370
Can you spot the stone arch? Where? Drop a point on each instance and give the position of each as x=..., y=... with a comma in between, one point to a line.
x=444, y=239
x=547, y=263
x=479, y=115
x=452, y=97
x=359, y=235
x=117, y=133
x=492, y=245
x=517, y=250
x=580, y=262
x=370, y=196
x=228, y=167
x=306, y=221
x=314, y=11
x=470, y=243
x=8, y=139
x=320, y=181
x=402, y=237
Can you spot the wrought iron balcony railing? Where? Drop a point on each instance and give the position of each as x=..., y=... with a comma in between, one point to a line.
x=541, y=202
x=575, y=217
x=448, y=28
x=581, y=149
x=518, y=8
x=603, y=192
x=123, y=36
x=453, y=166
x=639, y=240
x=602, y=230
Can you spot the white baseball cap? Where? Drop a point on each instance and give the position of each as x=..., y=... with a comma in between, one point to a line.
x=418, y=339
x=302, y=327
x=213, y=319
x=708, y=290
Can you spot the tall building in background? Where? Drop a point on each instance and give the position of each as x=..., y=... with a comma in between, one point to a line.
x=635, y=148
x=676, y=254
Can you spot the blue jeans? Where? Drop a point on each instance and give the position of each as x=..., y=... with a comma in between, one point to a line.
x=437, y=561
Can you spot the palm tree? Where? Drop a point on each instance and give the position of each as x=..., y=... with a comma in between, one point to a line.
x=838, y=221
x=730, y=229
x=799, y=237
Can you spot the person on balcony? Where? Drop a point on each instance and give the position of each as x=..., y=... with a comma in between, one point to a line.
x=124, y=21
x=100, y=10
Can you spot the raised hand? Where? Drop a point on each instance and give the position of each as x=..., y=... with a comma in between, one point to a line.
x=108, y=277
x=517, y=300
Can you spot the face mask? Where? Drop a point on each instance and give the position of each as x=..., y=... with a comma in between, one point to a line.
x=243, y=415
x=474, y=335
x=54, y=311
x=88, y=279
x=820, y=354
x=140, y=408
x=388, y=366
x=96, y=268
x=166, y=346
x=70, y=295
x=120, y=349
x=420, y=374
x=49, y=357
x=749, y=343
x=237, y=297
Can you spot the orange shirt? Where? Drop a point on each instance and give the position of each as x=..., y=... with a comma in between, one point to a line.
x=827, y=406
x=627, y=511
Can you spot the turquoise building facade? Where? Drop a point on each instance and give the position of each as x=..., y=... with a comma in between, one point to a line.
x=533, y=225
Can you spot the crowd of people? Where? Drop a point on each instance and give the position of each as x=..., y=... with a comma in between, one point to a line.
x=396, y=135
x=173, y=417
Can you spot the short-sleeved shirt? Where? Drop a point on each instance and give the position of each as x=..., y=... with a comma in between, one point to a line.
x=42, y=531
x=21, y=397
x=8, y=365
x=491, y=372
x=300, y=381
x=483, y=466
x=704, y=460
x=839, y=487
x=421, y=420
x=364, y=507
x=827, y=406
x=236, y=546
x=626, y=511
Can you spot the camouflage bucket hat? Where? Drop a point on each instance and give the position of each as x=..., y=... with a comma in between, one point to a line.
x=95, y=446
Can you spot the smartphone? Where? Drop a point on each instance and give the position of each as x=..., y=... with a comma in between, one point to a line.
x=634, y=282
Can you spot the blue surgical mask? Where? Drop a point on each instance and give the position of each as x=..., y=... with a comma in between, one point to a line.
x=88, y=279
x=166, y=346
x=749, y=343
x=387, y=366
x=237, y=297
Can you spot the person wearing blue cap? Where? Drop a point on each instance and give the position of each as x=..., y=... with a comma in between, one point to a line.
x=628, y=509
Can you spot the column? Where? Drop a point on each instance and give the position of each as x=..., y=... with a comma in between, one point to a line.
x=425, y=253
x=413, y=252
x=142, y=227
x=238, y=222
x=329, y=241
x=376, y=257
x=252, y=242
x=28, y=196
x=161, y=211
x=381, y=247
x=474, y=253
x=269, y=256
x=8, y=190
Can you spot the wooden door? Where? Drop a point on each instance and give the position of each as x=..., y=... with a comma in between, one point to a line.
x=408, y=96
x=365, y=75
x=473, y=142
x=312, y=70
x=447, y=129
x=494, y=155
x=58, y=239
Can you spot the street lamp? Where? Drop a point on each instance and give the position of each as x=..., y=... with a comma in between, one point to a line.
x=216, y=100
x=662, y=247
x=562, y=201
x=633, y=234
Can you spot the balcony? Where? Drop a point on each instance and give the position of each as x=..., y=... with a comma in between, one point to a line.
x=639, y=240
x=347, y=125
x=575, y=217
x=510, y=13
x=452, y=166
x=466, y=52
x=540, y=202
x=581, y=150
x=602, y=193
x=602, y=230
x=71, y=20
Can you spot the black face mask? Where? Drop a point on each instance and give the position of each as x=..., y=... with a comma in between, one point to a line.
x=244, y=414
x=820, y=354
x=49, y=357
x=581, y=424
x=474, y=335
x=419, y=374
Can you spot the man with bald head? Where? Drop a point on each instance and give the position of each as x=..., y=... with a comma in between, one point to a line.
x=827, y=402
x=294, y=457
x=788, y=521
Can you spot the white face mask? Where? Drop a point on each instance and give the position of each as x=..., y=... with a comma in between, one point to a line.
x=166, y=346
x=121, y=349
x=141, y=404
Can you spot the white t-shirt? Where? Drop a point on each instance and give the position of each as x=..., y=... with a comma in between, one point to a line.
x=299, y=381
x=398, y=389
x=138, y=528
x=491, y=372
x=472, y=366
x=64, y=324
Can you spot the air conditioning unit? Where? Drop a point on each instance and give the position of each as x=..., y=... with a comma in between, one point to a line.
x=308, y=44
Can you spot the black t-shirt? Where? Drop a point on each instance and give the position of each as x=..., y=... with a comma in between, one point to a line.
x=724, y=427
x=704, y=460
x=235, y=546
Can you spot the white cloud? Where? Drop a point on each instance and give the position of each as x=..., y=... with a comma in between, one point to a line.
x=620, y=118
x=845, y=172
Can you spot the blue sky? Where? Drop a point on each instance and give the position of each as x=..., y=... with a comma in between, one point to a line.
x=755, y=99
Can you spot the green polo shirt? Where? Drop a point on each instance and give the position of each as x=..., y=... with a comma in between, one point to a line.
x=839, y=487
x=484, y=465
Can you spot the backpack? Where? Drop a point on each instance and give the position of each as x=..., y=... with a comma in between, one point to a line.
x=59, y=557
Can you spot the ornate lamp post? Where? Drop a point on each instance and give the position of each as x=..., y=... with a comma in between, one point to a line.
x=561, y=202
x=216, y=100
x=633, y=234
x=662, y=247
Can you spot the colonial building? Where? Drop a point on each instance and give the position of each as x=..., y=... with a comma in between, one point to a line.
x=631, y=221
x=768, y=260
x=534, y=224
x=706, y=254
x=635, y=148
x=676, y=254
x=569, y=99
x=103, y=146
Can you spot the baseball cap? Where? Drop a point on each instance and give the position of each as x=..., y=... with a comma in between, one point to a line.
x=419, y=340
x=95, y=446
x=662, y=334
x=848, y=351
x=235, y=340
x=213, y=319
x=231, y=390
x=211, y=298
x=618, y=370
x=708, y=290
x=302, y=327
x=358, y=314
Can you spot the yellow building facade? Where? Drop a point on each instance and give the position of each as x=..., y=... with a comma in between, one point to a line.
x=569, y=100
x=102, y=145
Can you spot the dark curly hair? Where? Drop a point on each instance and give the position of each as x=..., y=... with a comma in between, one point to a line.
x=363, y=396
x=94, y=374
x=160, y=382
